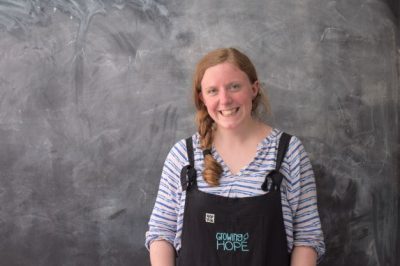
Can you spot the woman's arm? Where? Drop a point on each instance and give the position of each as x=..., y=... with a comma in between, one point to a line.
x=308, y=239
x=303, y=256
x=163, y=220
x=162, y=253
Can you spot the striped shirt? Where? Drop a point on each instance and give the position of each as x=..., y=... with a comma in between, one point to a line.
x=298, y=191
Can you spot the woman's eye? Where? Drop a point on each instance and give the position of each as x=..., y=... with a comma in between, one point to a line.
x=211, y=91
x=235, y=86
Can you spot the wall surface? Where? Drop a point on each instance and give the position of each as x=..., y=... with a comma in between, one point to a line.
x=94, y=93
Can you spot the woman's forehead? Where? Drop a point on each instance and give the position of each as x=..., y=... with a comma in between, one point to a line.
x=223, y=71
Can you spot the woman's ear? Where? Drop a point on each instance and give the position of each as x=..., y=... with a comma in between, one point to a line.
x=255, y=88
x=201, y=97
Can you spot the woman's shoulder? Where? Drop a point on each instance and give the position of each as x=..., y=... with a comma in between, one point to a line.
x=276, y=134
x=179, y=149
x=271, y=143
x=295, y=161
x=273, y=138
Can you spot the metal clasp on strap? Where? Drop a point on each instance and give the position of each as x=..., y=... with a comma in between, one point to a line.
x=276, y=178
x=188, y=177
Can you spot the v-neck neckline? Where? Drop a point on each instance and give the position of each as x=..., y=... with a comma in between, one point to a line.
x=260, y=145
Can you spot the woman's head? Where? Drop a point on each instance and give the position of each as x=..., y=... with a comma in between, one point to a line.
x=205, y=123
x=225, y=55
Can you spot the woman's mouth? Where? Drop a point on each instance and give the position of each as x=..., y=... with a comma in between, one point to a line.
x=229, y=112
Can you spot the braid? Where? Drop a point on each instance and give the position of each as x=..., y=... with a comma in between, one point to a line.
x=212, y=169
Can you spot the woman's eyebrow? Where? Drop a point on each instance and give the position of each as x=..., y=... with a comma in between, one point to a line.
x=233, y=82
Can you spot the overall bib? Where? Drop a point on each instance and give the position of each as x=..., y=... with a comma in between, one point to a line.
x=220, y=230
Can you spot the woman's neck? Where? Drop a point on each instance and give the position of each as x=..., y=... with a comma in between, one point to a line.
x=254, y=131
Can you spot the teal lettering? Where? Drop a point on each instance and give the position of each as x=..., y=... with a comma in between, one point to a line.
x=228, y=246
x=232, y=241
x=220, y=244
x=244, y=247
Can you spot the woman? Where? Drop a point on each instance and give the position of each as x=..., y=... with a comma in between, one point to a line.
x=238, y=192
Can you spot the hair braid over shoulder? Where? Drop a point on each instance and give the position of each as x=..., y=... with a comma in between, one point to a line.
x=212, y=169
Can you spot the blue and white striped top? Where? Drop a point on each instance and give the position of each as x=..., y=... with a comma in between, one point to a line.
x=298, y=191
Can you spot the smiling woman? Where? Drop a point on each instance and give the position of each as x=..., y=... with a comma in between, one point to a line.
x=228, y=94
x=238, y=191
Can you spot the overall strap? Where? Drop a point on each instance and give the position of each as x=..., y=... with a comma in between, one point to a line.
x=189, y=147
x=188, y=173
x=283, y=145
x=275, y=175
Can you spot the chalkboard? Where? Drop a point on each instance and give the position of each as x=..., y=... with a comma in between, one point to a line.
x=93, y=94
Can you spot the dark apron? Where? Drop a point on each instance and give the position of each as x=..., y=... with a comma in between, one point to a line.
x=220, y=230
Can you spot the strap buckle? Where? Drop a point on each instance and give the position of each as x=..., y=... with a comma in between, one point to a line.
x=188, y=177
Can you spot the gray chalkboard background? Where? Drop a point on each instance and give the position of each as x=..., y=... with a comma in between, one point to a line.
x=94, y=93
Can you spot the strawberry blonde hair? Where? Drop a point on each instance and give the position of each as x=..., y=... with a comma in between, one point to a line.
x=205, y=124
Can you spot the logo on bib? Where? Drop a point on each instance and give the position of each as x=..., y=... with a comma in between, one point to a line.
x=210, y=218
x=232, y=241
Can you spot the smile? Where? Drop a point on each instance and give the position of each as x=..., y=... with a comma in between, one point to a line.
x=229, y=112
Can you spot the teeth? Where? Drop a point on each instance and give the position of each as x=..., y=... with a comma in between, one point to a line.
x=229, y=112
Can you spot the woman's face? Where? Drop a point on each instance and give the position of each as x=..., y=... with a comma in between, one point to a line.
x=227, y=93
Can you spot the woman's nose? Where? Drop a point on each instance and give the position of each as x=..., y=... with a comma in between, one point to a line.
x=225, y=97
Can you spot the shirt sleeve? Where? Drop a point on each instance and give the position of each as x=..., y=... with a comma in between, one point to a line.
x=302, y=198
x=163, y=219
